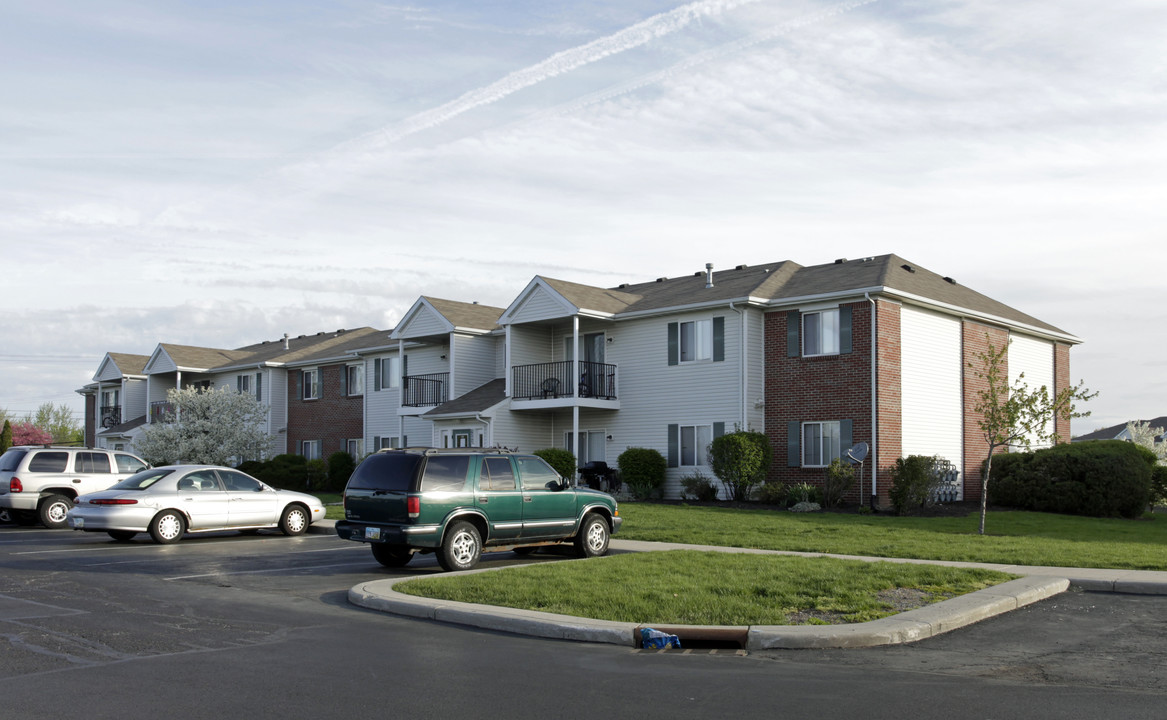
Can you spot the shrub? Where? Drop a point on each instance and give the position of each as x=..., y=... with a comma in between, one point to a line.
x=840, y=480
x=698, y=487
x=803, y=492
x=340, y=467
x=1100, y=478
x=914, y=479
x=561, y=460
x=1158, y=486
x=316, y=471
x=771, y=493
x=643, y=471
x=284, y=471
x=740, y=460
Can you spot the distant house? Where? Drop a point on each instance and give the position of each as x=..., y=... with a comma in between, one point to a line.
x=115, y=402
x=1120, y=432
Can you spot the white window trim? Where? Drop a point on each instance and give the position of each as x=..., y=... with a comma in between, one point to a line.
x=702, y=331
x=818, y=315
x=699, y=450
x=316, y=452
x=348, y=379
x=826, y=461
x=311, y=389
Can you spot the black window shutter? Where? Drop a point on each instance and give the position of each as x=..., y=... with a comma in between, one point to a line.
x=343, y=380
x=259, y=387
x=793, y=347
x=300, y=385
x=376, y=374
x=674, y=344
x=793, y=444
x=844, y=436
x=718, y=429
x=718, y=339
x=238, y=383
x=845, y=329
x=674, y=444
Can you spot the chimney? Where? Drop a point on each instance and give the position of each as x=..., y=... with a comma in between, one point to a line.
x=708, y=275
x=285, y=341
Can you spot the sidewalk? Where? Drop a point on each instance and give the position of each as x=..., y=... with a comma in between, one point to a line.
x=1037, y=583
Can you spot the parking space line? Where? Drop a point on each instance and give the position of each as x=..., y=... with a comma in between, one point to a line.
x=261, y=572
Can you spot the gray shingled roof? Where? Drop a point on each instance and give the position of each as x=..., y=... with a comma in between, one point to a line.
x=190, y=356
x=130, y=364
x=301, y=349
x=1110, y=433
x=480, y=398
x=467, y=315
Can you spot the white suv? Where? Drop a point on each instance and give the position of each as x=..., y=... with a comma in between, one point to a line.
x=41, y=482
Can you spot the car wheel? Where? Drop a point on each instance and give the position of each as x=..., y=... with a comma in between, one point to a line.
x=393, y=556
x=53, y=510
x=167, y=527
x=121, y=535
x=461, y=547
x=592, y=539
x=525, y=550
x=294, y=521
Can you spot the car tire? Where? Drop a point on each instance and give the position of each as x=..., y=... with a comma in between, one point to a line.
x=121, y=535
x=52, y=511
x=294, y=521
x=592, y=540
x=461, y=547
x=391, y=556
x=167, y=527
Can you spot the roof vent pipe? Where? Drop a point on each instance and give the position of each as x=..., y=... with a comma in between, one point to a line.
x=708, y=275
x=285, y=341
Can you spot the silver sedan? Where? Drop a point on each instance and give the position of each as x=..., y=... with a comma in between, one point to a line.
x=170, y=501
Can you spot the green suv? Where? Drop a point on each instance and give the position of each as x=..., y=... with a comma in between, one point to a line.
x=461, y=503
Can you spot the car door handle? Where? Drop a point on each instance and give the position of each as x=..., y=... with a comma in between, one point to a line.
x=527, y=498
x=483, y=500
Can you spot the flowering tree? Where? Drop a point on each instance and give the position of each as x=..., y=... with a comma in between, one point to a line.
x=25, y=433
x=1143, y=434
x=210, y=427
x=1016, y=416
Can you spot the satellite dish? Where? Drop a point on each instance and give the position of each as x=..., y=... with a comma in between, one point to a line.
x=858, y=453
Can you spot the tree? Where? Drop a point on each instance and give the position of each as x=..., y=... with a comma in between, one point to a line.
x=205, y=426
x=6, y=437
x=58, y=422
x=740, y=460
x=1017, y=416
x=1144, y=435
x=25, y=433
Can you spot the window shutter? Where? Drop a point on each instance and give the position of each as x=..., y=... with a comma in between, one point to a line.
x=844, y=436
x=674, y=443
x=844, y=329
x=376, y=374
x=300, y=385
x=674, y=344
x=259, y=387
x=343, y=380
x=793, y=444
x=718, y=339
x=238, y=383
x=793, y=319
x=718, y=429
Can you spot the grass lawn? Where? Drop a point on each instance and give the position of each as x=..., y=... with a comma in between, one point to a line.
x=1024, y=538
x=687, y=587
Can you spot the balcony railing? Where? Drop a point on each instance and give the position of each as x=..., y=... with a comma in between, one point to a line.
x=544, y=381
x=425, y=390
x=110, y=415
x=161, y=411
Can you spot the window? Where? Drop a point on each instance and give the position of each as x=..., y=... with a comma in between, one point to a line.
x=310, y=382
x=252, y=385
x=310, y=449
x=48, y=462
x=91, y=463
x=355, y=447
x=696, y=340
x=536, y=473
x=497, y=474
x=129, y=464
x=820, y=443
x=381, y=442
x=243, y=383
x=387, y=372
x=238, y=482
x=695, y=440
x=593, y=446
x=354, y=376
x=445, y=473
x=820, y=333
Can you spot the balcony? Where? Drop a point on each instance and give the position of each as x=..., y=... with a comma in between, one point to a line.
x=425, y=390
x=110, y=415
x=552, y=381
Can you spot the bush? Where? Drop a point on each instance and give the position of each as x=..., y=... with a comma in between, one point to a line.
x=740, y=460
x=316, y=471
x=340, y=467
x=803, y=492
x=643, y=471
x=282, y=471
x=914, y=479
x=1100, y=478
x=561, y=460
x=840, y=480
x=771, y=493
x=698, y=487
x=1158, y=486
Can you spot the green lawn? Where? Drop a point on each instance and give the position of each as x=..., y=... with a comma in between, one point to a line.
x=1024, y=538
x=686, y=587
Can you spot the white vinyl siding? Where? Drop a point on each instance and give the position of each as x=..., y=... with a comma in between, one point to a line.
x=1034, y=358
x=473, y=360
x=540, y=304
x=932, y=377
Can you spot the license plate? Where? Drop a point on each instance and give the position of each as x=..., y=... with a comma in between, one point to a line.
x=372, y=533
x=79, y=523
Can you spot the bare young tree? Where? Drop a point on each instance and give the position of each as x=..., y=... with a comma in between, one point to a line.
x=1019, y=415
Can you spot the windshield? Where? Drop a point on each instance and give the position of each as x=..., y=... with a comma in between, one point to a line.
x=143, y=480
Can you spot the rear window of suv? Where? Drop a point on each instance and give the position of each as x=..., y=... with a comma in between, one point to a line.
x=48, y=462
x=386, y=471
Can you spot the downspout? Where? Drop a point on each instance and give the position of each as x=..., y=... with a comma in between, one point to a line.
x=745, y=386
x=485, y=427
x=874, y=408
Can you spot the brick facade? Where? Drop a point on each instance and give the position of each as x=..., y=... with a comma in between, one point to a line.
x=975, y=340
x=91, y=420
x=332, y=418
x=1062, y=383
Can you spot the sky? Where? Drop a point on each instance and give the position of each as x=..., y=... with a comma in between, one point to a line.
x=220, y=173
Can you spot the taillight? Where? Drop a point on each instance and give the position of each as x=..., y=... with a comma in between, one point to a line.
x=413, y=505
x=114, y=501
x=14, y=485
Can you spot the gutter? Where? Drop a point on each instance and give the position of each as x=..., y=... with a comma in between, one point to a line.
x=874, y=409
x=744, y=366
